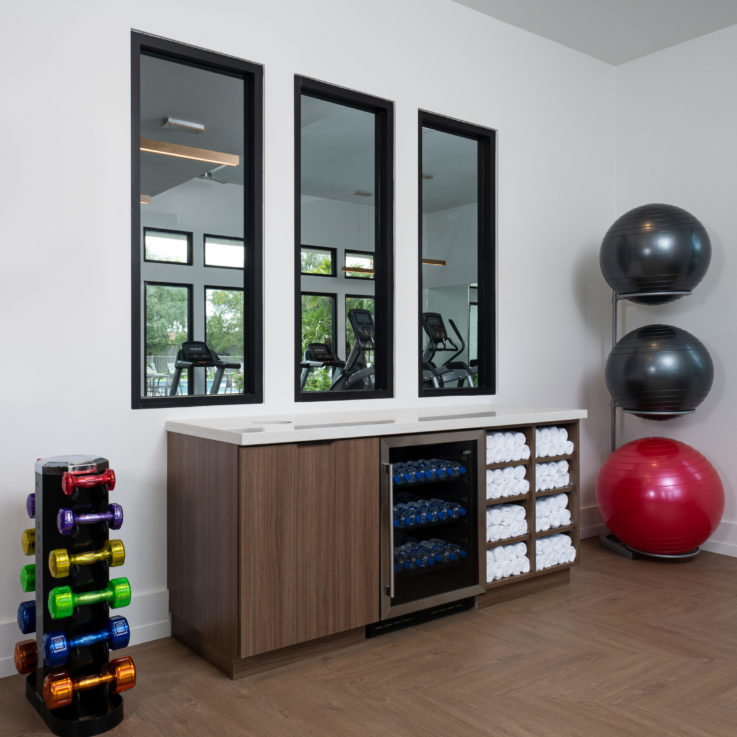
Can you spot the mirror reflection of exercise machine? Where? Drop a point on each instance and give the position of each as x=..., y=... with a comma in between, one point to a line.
x=317, y=355
x=449, y=371
x=197, y=354
x=357, y=372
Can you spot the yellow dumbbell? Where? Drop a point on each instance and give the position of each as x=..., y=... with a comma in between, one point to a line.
x=60, y=561
x=28, y=541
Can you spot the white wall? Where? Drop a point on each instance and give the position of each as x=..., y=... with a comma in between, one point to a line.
x=65, y=194
x=676, y=123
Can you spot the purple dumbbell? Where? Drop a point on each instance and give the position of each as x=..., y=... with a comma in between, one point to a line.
x=66, y=519
x=31, y=505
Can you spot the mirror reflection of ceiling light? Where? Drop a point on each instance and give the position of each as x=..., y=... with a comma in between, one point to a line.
x=145, y=199
x=183, y=125
x=209, y=176
x=189, y=152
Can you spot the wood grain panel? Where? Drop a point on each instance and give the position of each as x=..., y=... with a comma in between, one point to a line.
x=202, y=541
x=339, y=581
x=269, y=492
x=309, y=557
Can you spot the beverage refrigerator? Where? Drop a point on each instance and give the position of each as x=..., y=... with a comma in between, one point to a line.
x=432, y=520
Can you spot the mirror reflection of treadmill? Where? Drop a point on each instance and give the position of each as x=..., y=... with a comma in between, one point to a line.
x=197, y=354
x=452, y=371
x=358, y=372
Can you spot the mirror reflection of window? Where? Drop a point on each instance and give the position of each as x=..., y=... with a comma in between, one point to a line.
x=353, y=302
x=167, y=246
x=196, y=224
x=358, y=265
x=166, y=320
x=337, y=205
x=456, y=253
x=318, y=261
x=228, y=253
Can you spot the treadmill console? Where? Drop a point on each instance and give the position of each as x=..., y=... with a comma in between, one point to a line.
x=434, y=327
x=362, y=322
x=197, y=353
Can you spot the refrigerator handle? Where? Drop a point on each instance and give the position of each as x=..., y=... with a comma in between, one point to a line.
x=389, y=468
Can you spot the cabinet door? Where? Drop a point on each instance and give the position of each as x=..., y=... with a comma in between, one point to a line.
x=309, y=541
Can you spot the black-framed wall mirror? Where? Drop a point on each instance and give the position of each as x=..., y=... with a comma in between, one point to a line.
x=343, y=243
x=196, y=226
x=457, y=324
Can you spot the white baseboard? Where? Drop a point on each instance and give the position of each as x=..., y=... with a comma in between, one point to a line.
x=147, y=615
x=590, y=524
x=724, y=540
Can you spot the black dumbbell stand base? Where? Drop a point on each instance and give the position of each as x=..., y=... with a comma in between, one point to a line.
x=91, y=723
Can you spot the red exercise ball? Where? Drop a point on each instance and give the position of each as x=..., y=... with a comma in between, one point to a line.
x=660, y=496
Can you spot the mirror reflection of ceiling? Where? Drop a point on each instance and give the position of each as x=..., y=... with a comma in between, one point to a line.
x=170, y=89
x=337, y=151
x=451, y=161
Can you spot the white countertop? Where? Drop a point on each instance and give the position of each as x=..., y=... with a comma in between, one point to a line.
x=299, y=428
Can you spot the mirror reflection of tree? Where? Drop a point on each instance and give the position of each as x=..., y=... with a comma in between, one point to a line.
x=167, y=309
x=318, y=322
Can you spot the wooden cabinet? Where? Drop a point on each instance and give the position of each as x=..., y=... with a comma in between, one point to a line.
x=270, y=546
x=310, y=526
x=273, y=549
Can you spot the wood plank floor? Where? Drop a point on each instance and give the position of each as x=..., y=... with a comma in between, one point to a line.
x=627, y=649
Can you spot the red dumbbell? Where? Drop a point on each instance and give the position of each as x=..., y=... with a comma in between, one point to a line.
x=71, y=481
x=59, y=687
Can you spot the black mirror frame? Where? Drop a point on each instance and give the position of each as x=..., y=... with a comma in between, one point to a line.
x=486, y=266
x=252, y=75
x=384, y=230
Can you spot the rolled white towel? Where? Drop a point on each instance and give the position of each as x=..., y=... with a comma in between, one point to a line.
x=525, y=564
x=567, y=448
x=493, y=515
x=562, y=466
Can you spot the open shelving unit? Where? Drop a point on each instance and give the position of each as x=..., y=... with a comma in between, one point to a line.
x=528, y=500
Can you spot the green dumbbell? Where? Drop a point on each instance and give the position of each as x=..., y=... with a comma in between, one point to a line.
x=28, y=577
x=62, y=601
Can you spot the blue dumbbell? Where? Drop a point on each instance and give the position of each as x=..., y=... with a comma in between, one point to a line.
x=27, y=616
x=57, y=646
x=31, y=505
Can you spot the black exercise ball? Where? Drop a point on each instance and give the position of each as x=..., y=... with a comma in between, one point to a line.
x=655, y=248
x=659, y=368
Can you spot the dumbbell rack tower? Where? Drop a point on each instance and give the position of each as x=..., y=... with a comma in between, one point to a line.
x=95, y=710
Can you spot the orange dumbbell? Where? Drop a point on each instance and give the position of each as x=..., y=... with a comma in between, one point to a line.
x=59, y=687
x=25, y=656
